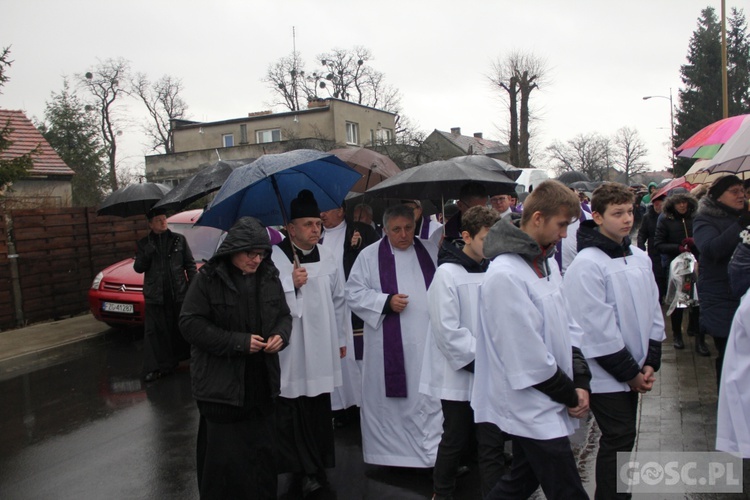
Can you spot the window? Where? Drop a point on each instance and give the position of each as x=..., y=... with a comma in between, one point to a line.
x=228, y=140
x=352, y=133
x=271, y=135
x=384, y=135
x=243, y=134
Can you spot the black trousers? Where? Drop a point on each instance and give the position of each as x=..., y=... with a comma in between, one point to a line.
x=693, y=320
x=615, y=414
x=163, y=344
x=549, y=463
x=491, y=451
x=458, y=427
x=236, y=460
x=305, y=434
x=721, y=347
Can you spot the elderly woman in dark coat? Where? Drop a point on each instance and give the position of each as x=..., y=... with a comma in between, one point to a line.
x=721, y=215
x=674, y=235
x=237, y=320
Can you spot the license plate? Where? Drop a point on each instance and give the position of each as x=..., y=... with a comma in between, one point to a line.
x=118, y=308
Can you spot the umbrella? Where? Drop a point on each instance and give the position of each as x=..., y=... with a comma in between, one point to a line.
x=585, y=185
x=513, y=173
x=708, y=141
x=265, y=188
x=573, y=176
x=679, y=182
x=373, y=166
x=441, y=179
x=734, y=157
x=207, y=180
x=135, y=199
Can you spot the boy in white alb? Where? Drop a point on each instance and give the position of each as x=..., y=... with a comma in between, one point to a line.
x=614, y=298
x=530, y=378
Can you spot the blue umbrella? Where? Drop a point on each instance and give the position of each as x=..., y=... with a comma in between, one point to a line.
x=265, y=188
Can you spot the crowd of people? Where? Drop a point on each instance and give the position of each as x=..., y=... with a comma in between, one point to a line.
x=506, y=323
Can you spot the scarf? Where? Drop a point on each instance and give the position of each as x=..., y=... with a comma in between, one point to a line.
x=393, y=347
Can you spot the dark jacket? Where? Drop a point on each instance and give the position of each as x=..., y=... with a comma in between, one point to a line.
x=673, y=227
x=739, y=267
x=647, y=231
x=453, y=252
x=168, y=265
x=716, y=232
x=369, y=236
x=211, y=322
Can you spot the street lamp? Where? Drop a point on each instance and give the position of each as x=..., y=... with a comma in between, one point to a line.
x=671, y=122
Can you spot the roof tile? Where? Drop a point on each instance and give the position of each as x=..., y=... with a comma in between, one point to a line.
x=24, y=138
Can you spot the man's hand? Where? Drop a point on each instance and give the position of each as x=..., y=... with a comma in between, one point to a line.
x=342, y=352
x=274, y=344
x=648, y=375
x=582, y=409
x=299, y=277
x=640, y=384
x=399, y=302
x=356, y=240
x=256, y=343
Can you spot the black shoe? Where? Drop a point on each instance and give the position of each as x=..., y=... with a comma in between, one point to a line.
x=702, y=350
x=310, y=484
x=678, y=342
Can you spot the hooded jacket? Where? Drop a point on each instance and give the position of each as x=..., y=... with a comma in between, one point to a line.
x=211, y=319
x=674, y=227
x=647, y=231
x=527, y=364
x=614, y=298
x=716, y=230
x=168, y=265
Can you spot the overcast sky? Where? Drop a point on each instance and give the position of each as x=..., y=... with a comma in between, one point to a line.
x=602, y=56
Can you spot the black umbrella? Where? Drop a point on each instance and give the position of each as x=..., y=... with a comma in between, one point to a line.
x=585, y=186
x=442, y=179
x=572, y=176
x=206, y=181
x=504, y=167
x=135, y=199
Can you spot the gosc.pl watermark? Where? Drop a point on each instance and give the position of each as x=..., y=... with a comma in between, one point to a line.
x=678, y=472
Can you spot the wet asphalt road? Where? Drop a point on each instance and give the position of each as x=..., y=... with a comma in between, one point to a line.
x=76, y=422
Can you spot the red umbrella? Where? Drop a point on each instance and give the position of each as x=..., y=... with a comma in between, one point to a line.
x=373, y=166
x=679, y=182
x=707, y=141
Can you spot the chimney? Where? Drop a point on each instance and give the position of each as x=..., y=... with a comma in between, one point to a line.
x=316, y=103
x=477, y=135
x=456, y=130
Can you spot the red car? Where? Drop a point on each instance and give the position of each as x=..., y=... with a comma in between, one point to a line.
x=116, y=295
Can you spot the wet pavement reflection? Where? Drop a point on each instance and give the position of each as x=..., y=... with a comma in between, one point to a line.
x=77, y=422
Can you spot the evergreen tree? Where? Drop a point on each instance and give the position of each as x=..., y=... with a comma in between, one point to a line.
x=73, y=132
x=11, y=169
x=700, y=100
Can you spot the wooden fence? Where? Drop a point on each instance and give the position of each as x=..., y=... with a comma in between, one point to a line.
x=49, y=257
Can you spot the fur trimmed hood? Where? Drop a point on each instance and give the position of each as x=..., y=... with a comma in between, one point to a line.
x=669, y=205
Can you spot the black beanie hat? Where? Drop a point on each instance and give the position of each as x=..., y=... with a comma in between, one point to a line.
x=304, y=205
x=722, y=184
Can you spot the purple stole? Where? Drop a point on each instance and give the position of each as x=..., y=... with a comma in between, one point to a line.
x=393, y=347
x=424, y=232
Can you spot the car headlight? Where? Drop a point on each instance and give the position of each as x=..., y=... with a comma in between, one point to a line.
x=97, y=281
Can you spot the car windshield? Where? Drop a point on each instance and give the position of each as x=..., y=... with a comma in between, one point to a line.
x=203, y=240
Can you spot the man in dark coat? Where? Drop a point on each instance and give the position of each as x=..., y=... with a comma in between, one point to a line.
x=674, y=235
x=168, y=264
x=237, y=320
x=646, y=242
x=721, y=215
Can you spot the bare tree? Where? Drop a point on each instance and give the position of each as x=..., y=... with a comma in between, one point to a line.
x=106, y=85
x=629, y=152
x=518, y=74
x=586, y=153
x=164, y=104
x=343, y=74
